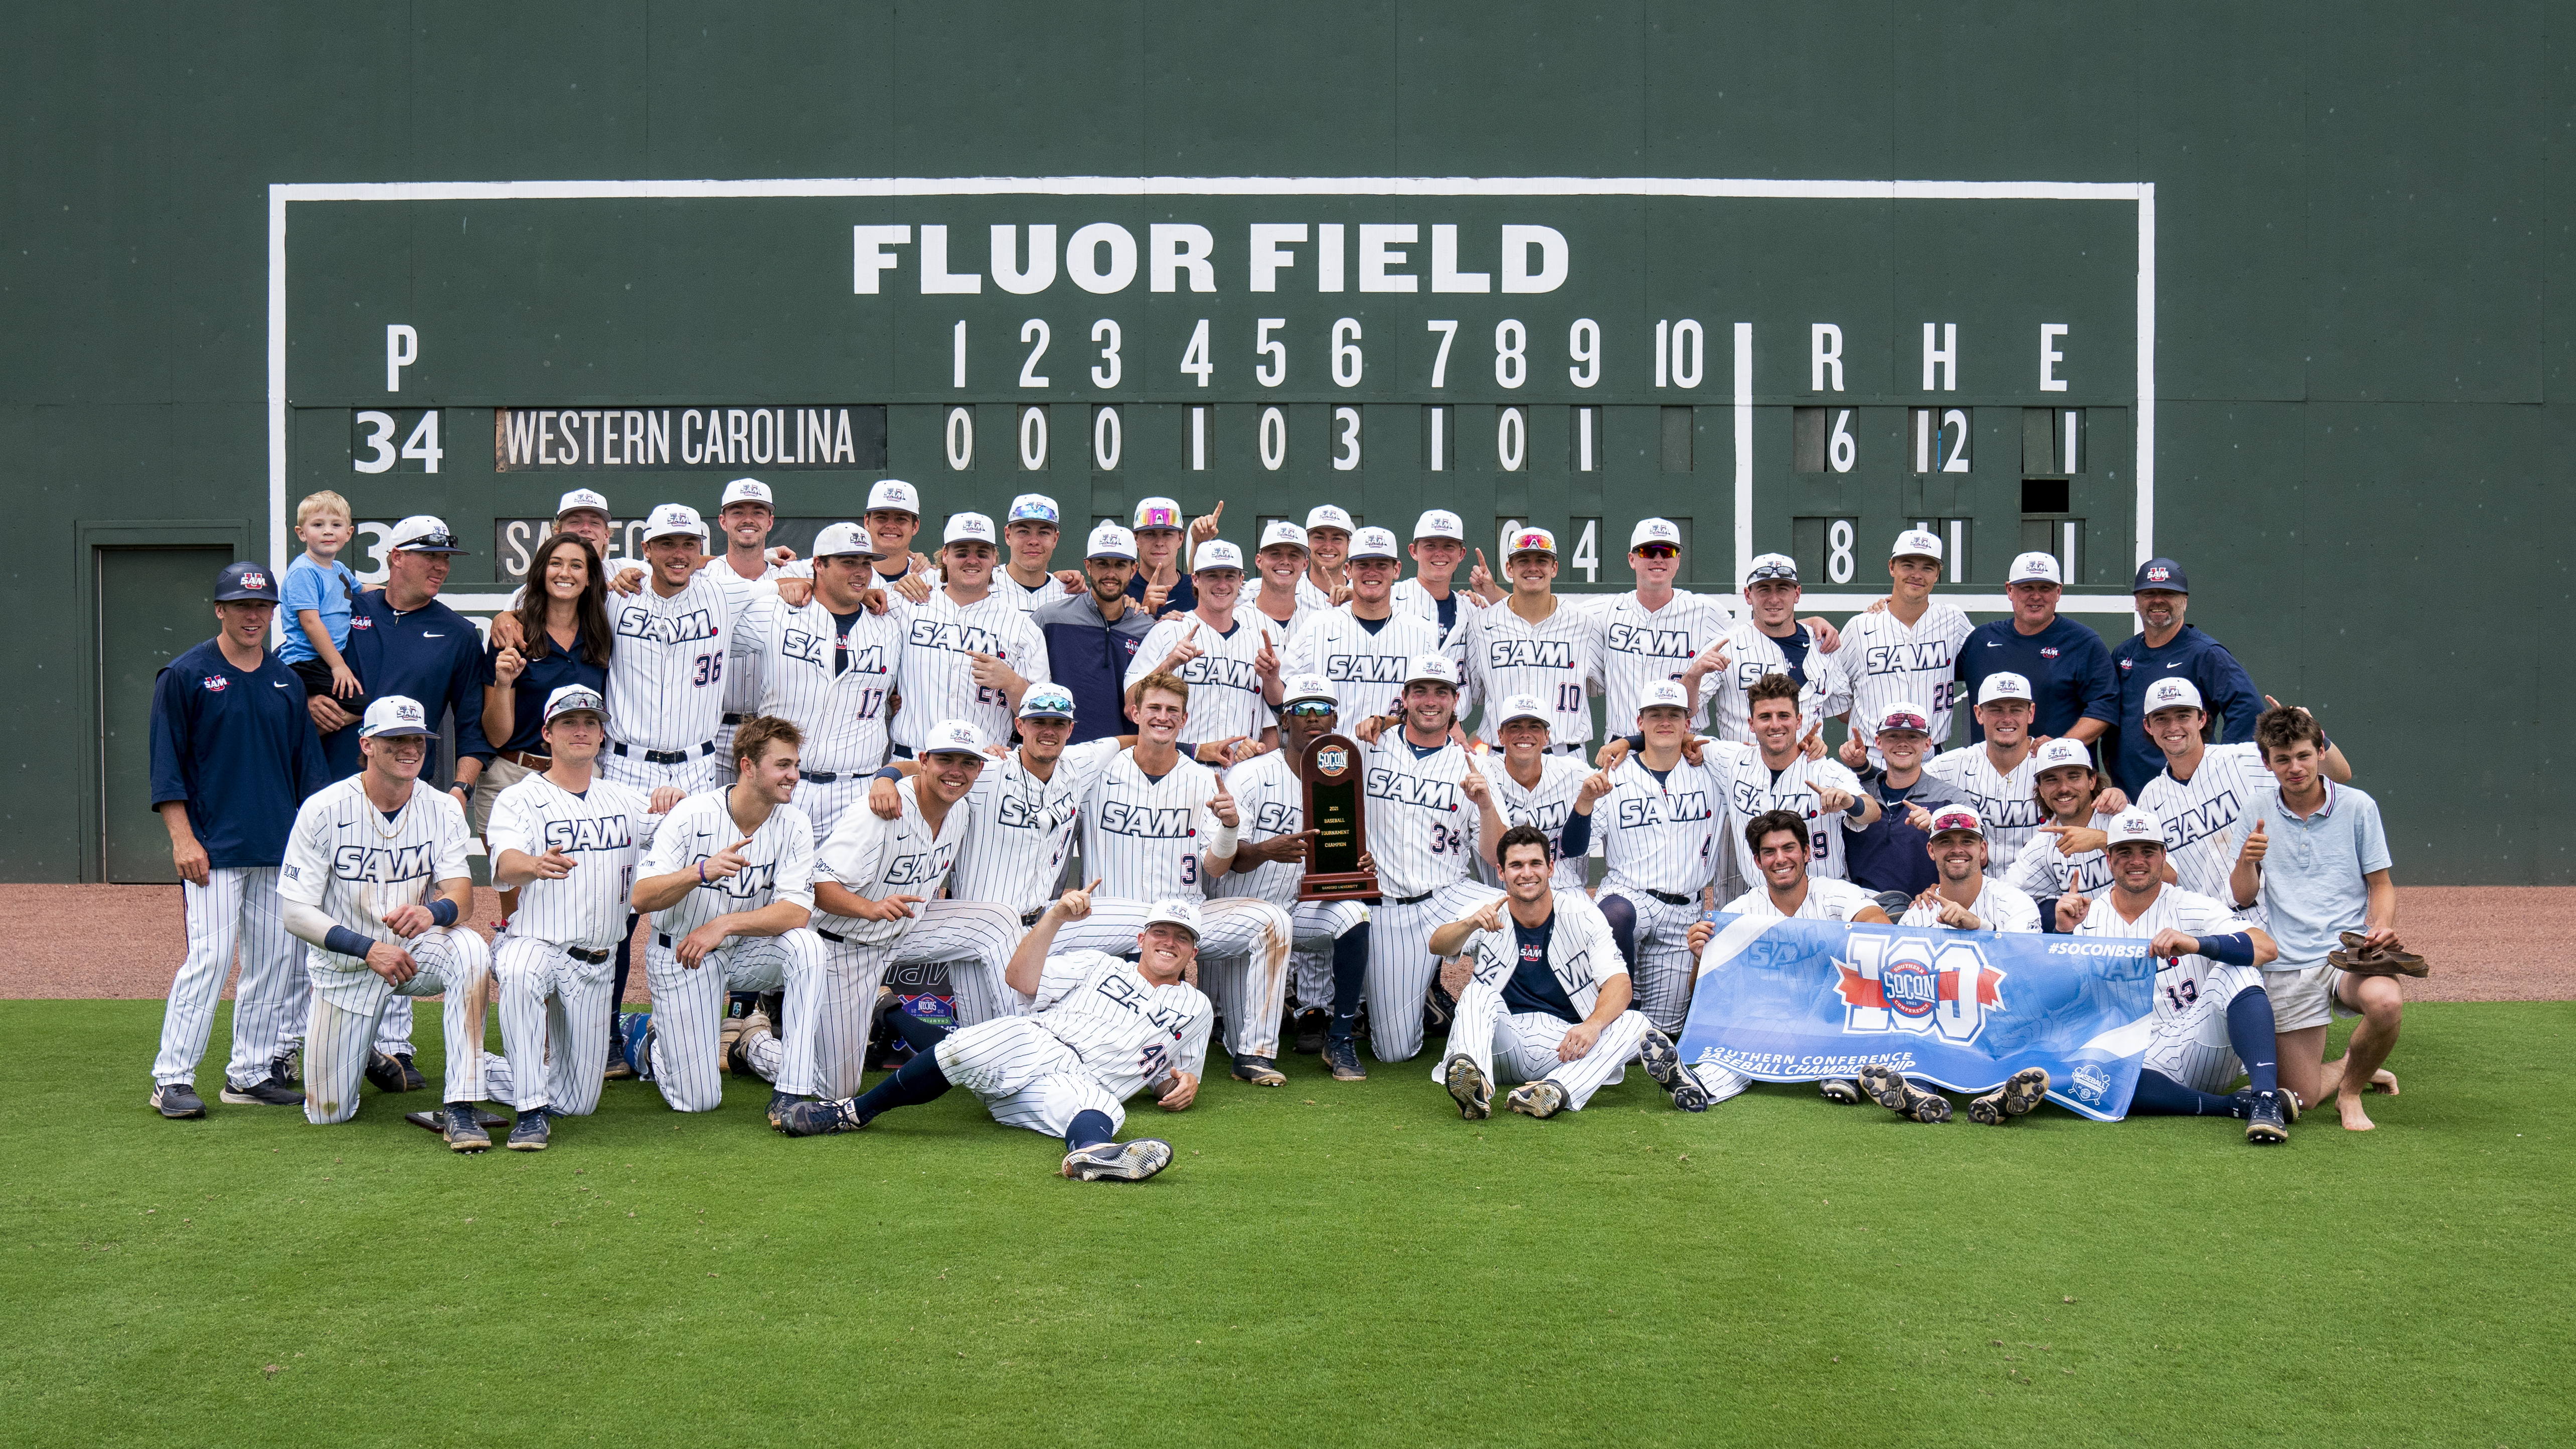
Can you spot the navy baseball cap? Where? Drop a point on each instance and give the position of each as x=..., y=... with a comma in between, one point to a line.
x=2161, y=573
x=246, y=580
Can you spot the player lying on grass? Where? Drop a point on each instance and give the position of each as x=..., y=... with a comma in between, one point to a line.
x=1099, y=1031
x=1548, y=1005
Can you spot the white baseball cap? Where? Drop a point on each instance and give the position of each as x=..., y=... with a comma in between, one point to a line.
x=2173, y=692
x=1032, y=508
x=1325, y=515
x=669, y=520
x=2135, y=825
x=2004, y=685
x=1904, y=714
x=954, y=737
x=1047, y=701
x=1946, y=818
x=1530, y=540
x=1917, y=543
x=2061, y=753
x=844, y=539
x=582, y=498
x=422, y=533
x=1302, y=687
x=1524, y=706
x=1372, y=543
x=1184, y=914
x=1663, y=694
x=1111, y=540
x=1216, y=553
x=393, y=714
x=967, y=528
x=573, y=699
x=1770, y=566
x=1157, y=513
x=1438, y=523
x=1432, y=667
x=1654, y=530
x=746, y=490
x=2033, y=568
x=1281, y=531
x=894, y=495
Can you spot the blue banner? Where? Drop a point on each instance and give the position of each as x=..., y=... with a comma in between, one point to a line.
x=1796, y=1001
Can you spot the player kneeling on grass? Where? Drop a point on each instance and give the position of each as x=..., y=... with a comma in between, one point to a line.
x=1781, y=846
x=1548, y=1005
x=374, y=880
x=1099, y=1031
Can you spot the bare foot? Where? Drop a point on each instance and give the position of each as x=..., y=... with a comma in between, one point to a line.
x=2354, y=1119
x=2383, y=1080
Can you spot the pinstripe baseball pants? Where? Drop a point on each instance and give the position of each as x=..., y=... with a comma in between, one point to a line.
x=1243, y=960
x=689, y=1005
x=348, y=1004
x=1401, y=967
x=237, y=906
x=1661, y=966
x=822, y=1045
x=554, y=1025
x=2191, y=1047
x=1520, y=1046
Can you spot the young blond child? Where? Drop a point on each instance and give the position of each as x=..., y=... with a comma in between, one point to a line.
x=318, y=595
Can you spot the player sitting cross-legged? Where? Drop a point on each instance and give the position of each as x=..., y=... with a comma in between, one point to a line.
x=1099, y=1030
x=1548, y=1005
x=1964, y=898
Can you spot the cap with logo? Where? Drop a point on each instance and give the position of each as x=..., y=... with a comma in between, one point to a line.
x=955, y=737
x=1438, y=523
x=1663, y=694
x=393, y=714
x=1111, y=540
x=2136, y=825
x=670, y=520
x=1325, y=515
x=1373, y=543
x=967, y=528
x=1184, y=914
x=893, y=495
x=1771, y=566
x=2033, y=568
x=1431, y=668
x=1904, y=714
x=246, y=580
x=2161, y=573
x=2172, y=692
x=573, y=699
x=844, y=540
x=1216, y=553
x=1654, y=530
x=2003, y=684
x=1530, y=540
x=2059, y=754
x=581, y=498
x=1032, y=508
x=1046, y=701
x=1157, y=513
x=1947, y=818
x=746, y=490
x=422, y=533
x=1917, y=543
x=1524, y=706
x=1302, y=688
x=1281, y=532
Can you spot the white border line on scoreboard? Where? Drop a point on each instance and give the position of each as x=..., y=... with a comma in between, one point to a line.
x=2142, y=193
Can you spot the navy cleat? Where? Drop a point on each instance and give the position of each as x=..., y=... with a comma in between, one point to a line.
x=807, y=1118
x=1259, y=1071
x=1342, y=1054
x=461, y=1129
x=2266, y=1124
x=176, y=1101
x=1466, y=1082
x=2022, y=1091
x=266, y=1092
x=528, y=1134
x=1313, y=1024
x=2245, y=1102
x=1118, y=1161
x=779, y=1102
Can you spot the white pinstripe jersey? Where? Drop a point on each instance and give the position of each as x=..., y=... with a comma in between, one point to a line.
x=832, y=686
x=1558, y=659
x=666, y=686
x=1272, y=801
x=1147, y=839
x=1408, y=596
x=1752, y=654
x=1827, y=900
x=1581, y=952
x=1367, y=670
x=1311, y=596
x=1285, y=631
x=2000, y=906
x=604, y=829
x=346, y=859
x=1755, y=791
x=2007, y=803
x=878, y=858
x=1422, y=829
x=743, y=681
x=1127, y=1030
x=1545, y=805
x=1225, y=692
x=1027, y=600
x=2205, y=817
x=781, y=856
x=1665, y=835
x=1641, y=645
x=936, y=677
x=1882, y=662
x=1023, y=826
x=2039, y=871
x=2178, y=978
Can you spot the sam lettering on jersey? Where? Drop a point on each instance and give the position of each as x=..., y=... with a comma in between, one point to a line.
x=929, y=632
x=1404, y=789
x=636, y=621
x=1652, y=643
x=610, y=832
x=1506, y=653
x=383, y=866
x=1150, y=822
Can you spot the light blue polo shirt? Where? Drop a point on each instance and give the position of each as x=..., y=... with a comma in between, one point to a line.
x=2312, y=872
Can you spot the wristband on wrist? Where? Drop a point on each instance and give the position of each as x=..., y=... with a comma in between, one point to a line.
x=443, y=911
x=1859, y=803
x=890, y=773
x=1223, y=841
x=344, y=942
x=702, y=872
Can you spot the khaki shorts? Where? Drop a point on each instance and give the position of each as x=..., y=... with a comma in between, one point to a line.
x=2303, y=997
x=498, y=775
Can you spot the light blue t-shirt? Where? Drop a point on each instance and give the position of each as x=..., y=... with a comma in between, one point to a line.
x=2312, y=871
x=327, y=594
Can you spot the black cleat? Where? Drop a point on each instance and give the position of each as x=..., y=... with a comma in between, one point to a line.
x=1466, y=1083
x=1541, y=1099
x=412, y=1080
x=1259, y=1071
x=802, y=1117
x=1840, y=1089
x=779, y=1102
x=266, y=1092
x=2265, y=1125
x=1312, y=1024
x=284, y=1069
x=1342, y=1054
x=1118, y=1161
x=1663, y=1062
x=385, y=1073
x=2022, y=1091
x=1438, y=1006
x=1892, y=1091
x=176, y=1101
x=528, y=1134
x=2246, y=1101
x=463, y=1132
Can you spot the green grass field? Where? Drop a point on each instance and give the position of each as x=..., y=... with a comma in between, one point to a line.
x=1324, y=1264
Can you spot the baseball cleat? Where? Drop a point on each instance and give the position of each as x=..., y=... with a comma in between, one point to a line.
x=412, y=1080
x=267, y=1092
x=1663, y=1062
x=1466, y=1082
x=176, y=1100
x=528, y=1134
x=1259, y=1071
x=285, y=1069
x=1118, y=1161
x=1840, y=1089
x=747, y=1030
x=1885, y=1086
x=636, y=1031
x=801, y=1117
x=2289, y=1103
x=1312, y=1024
x=462, y=1131
x=2020, y=1092
x=1342, y=1054
x=779, y=1102
x=728, y=1032
x=1438, y=1006
x=385, y=1073
x=1541, y=1099
x=2265, y=1123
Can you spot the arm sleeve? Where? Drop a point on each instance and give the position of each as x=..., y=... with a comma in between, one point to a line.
x=306, y=923
x=1576, y=838
x=2226, y=685
x=170, y=736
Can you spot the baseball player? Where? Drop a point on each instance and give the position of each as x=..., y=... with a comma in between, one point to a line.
x=1281, y=561
x=1967, y=897
x=1906, y=647
x=1536, y=785
x=1363, y=646
x=1430, y=813
x=1536, y=644
x=233, y=754
x=1654, y=631
x=1100, y=1030
x=729, y=883
x=1770, y=640
x=1995, y=776
x=666, y=675
x=1030, y=532
x=1548, y=1006
x=2205, y=794
x=893, y=518
x=374, y=882
x=745, y=514
x=827, y=668
x=1157, y=827
x=1218, y=647
x=1161, y=584
x=1786, y=778
x=1273, y=846
x=968, y=653
x=1439, y=547
x=1661, y=840
x=567, y=841
x=2213, y=1018
x=2067, y=847
x=1329, y=535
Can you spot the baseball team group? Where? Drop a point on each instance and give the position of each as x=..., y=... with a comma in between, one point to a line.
x=1081, y=794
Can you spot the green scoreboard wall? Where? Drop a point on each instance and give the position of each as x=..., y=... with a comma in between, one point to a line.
x=2264, y=288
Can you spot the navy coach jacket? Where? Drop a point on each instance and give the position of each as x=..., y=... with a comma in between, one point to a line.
x=1088, y=655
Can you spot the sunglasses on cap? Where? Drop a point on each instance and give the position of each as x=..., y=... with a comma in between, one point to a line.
x=1914, y=722
x=1774, y=571
x=1657, y=550
x=1311, y=708
x=1159, y=518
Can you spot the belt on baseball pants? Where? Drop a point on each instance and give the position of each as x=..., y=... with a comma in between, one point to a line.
x=664, y=937
x=828, y=936
x=589, y=958
x=1668, y=898
x=821, y=777
x=735, y=719
x=1030, y=918
x=526, y=759
x=664, y=757
x=1411, y=900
